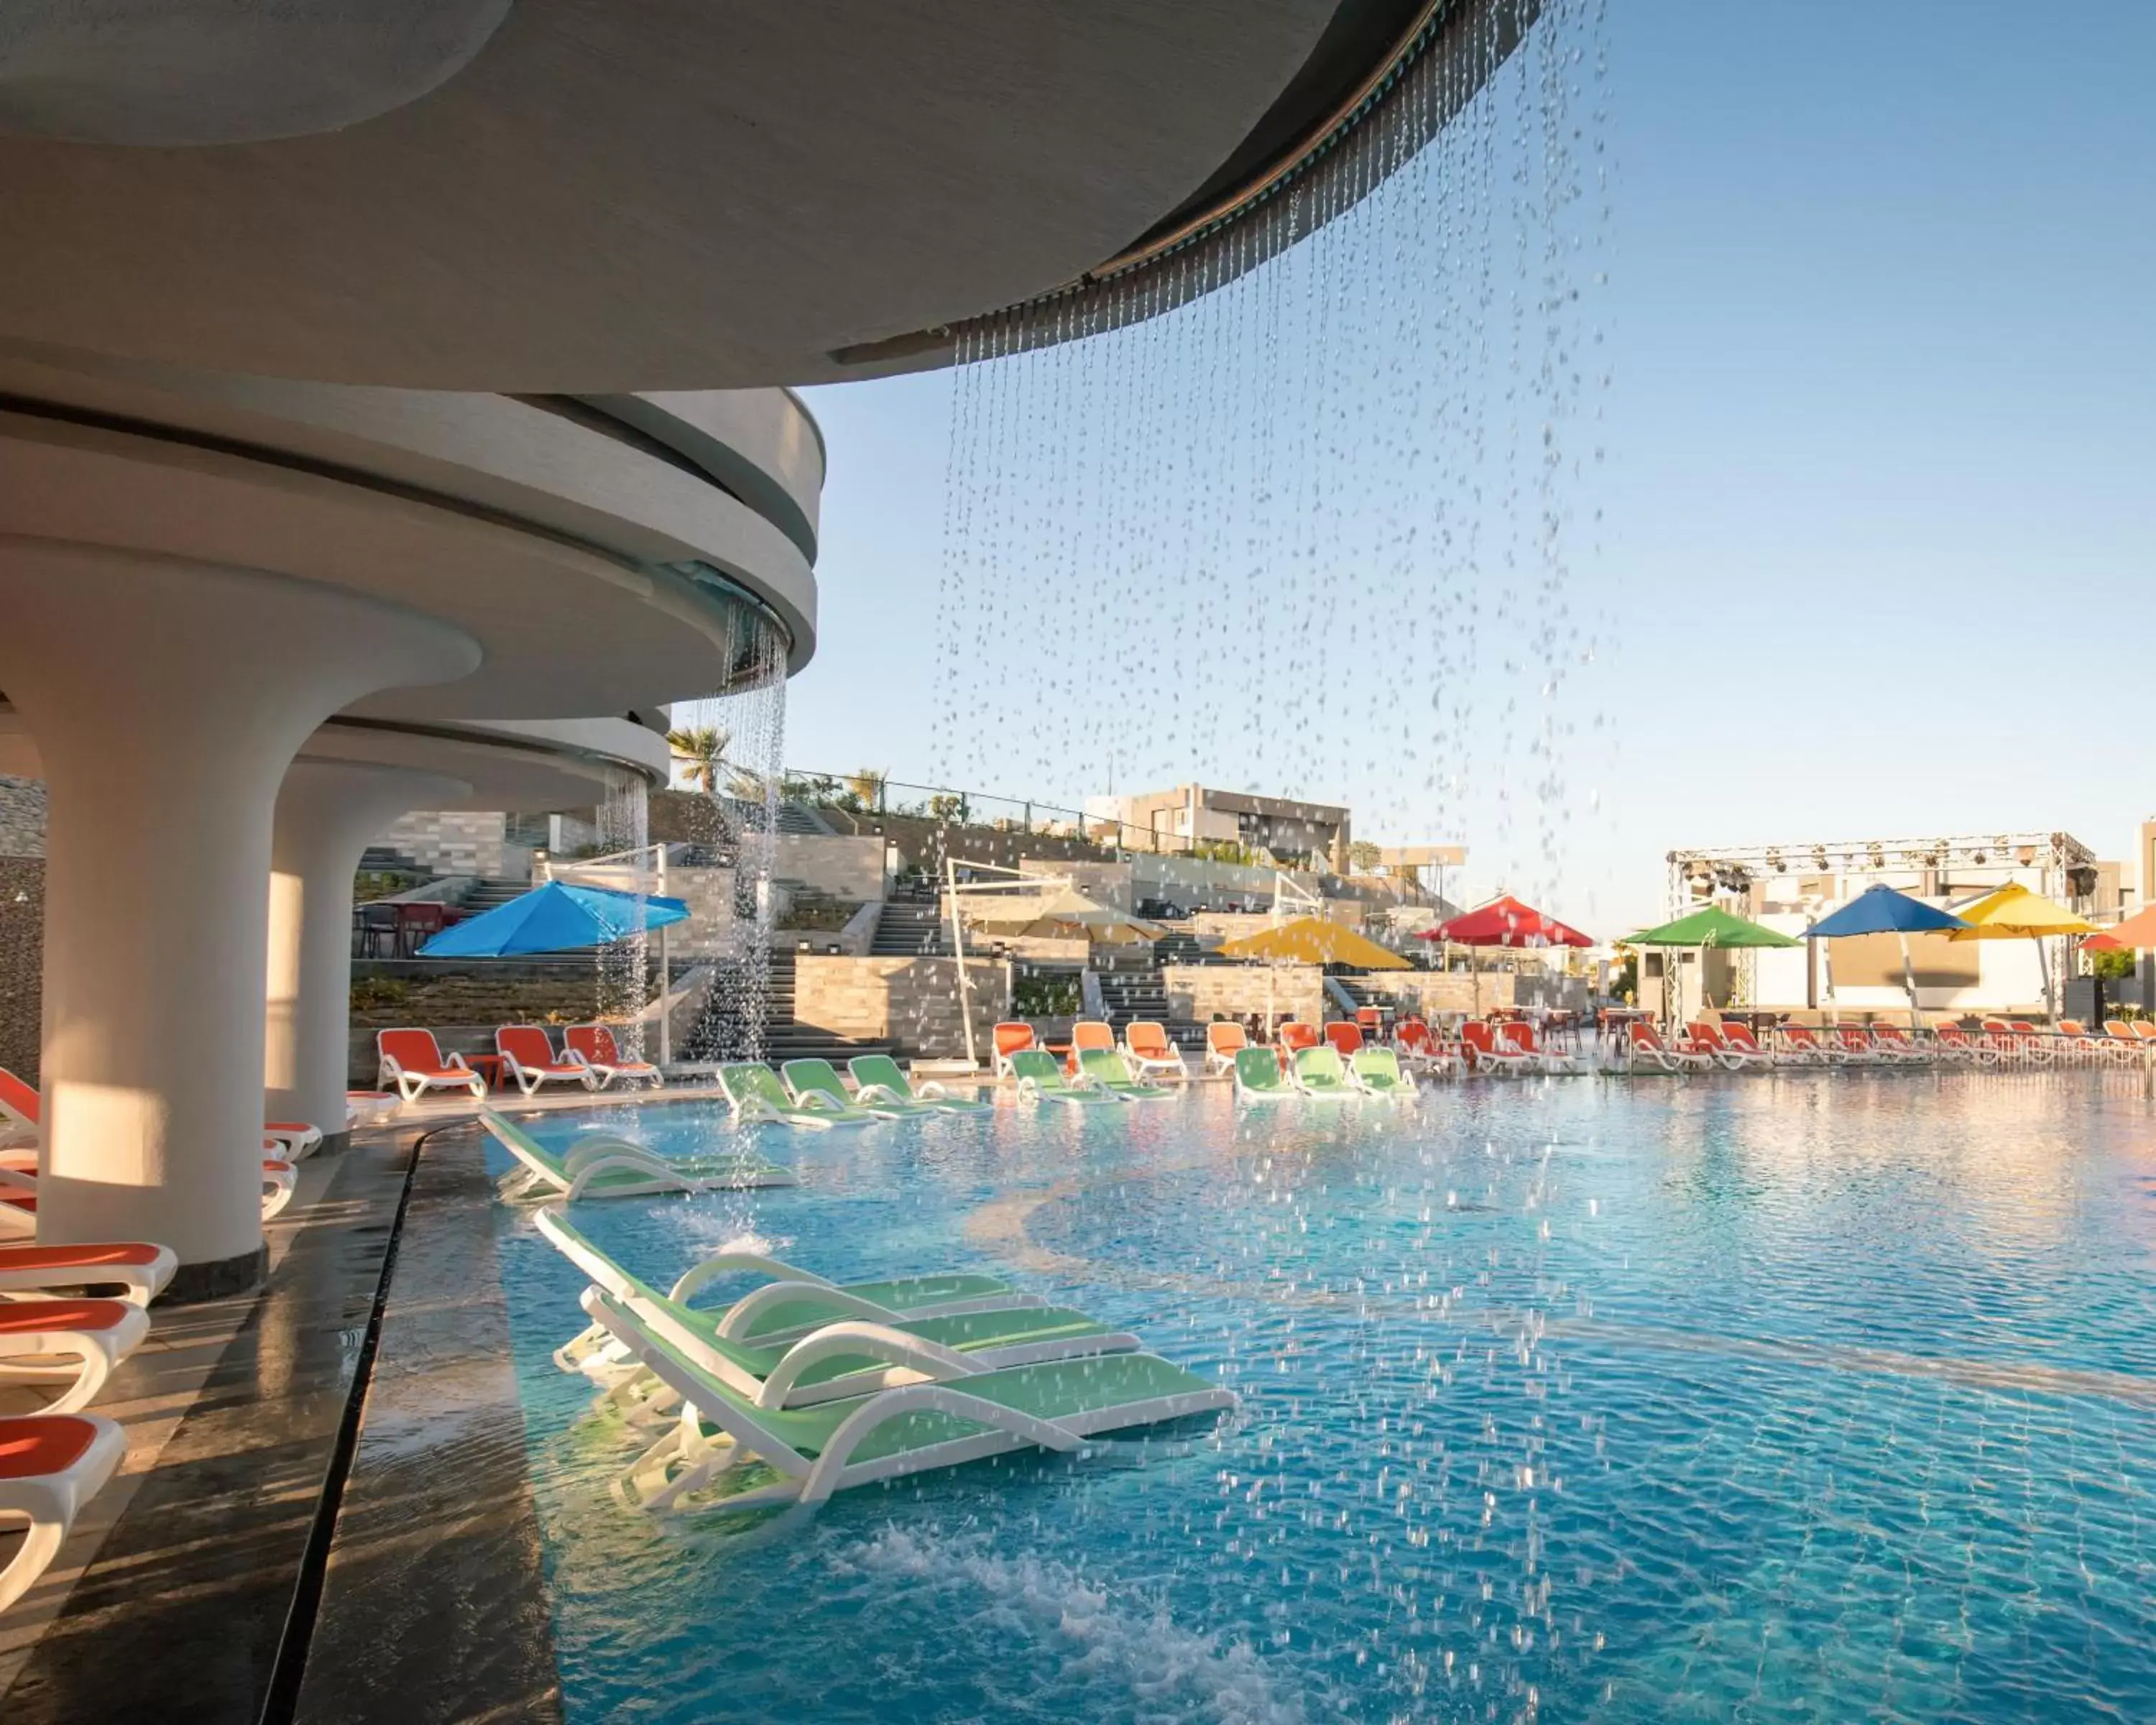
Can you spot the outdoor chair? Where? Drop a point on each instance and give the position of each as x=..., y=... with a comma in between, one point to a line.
x=412, y=1061
x=527, y=1055
x=593, y=1046
x=1223, y=1040
x=1011, y=1037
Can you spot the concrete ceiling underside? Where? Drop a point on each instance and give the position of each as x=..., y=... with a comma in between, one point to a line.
x=682, y=194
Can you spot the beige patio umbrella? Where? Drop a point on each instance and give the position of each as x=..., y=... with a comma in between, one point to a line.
x=1066, y=914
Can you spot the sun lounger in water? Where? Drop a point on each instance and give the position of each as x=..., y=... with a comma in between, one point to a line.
x=1376, y=1072
x=1259, y=1079
x=846, y=1355
x=880, y=1076
x=602, y=1165
x=759, y=1099
x=50, y=1465
x=1040, y=1077
x=724, y=1451
x=815, y=1085
x=1107, y=1067
x=1318, y=1073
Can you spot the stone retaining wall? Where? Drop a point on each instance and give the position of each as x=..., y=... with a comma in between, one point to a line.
x=21, y=963
x=1204, y=992
x=912, y=1003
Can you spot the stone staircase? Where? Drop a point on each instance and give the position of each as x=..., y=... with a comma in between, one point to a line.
x=1178, y=947
x=910, y=929
x=381, y=860
x=722, y=1033
x=486, y=895
x=1140, y=993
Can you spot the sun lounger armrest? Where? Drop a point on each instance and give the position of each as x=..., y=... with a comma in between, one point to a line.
x=711, y=1269
x=878, y=1093
x=858, y=1337
x=605, y=1144
x=930, y=1091
x=648, y=1165
x=924, y=1398
x=741, y=1317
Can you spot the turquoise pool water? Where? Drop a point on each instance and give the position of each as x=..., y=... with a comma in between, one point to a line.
x=1809, y=1398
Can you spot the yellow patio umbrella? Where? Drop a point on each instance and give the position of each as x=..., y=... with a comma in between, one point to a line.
x=2013, y=912
x=1314, y=939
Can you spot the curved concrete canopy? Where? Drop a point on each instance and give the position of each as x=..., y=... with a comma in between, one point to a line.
x=214, y=72
x=515, y=768
x=679, y=194
x=570, y=551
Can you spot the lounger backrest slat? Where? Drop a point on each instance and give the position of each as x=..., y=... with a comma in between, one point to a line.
x=1011, y=1036
x=1106, y=1065
x=594, y=1042
x=526, y=1045
x=1294, y=1035
x=415, y=1050
x=1225, y=1039
x=1091, y=1034
x=1148, y=1038
x=1038, y=1064
x=879, y=1069
x=1258, y=1068
x=1321, y=1065
x=1345, y=1038
x=18, y=1098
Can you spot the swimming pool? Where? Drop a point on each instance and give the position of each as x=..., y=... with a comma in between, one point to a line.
x=1808, y=1397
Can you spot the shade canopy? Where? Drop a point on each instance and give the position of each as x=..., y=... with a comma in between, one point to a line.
x=1880, y=910
x=1505, y=923
x=1712, y=926
x=555, y=918
x=1313, y=940
x=1068, y=915
x=2013, y=912
x=2137, y=933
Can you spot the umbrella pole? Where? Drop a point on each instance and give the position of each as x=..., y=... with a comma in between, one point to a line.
x=1909, y=978
x=2044, y=970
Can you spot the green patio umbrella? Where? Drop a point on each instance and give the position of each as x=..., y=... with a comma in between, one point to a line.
x=1712, y=926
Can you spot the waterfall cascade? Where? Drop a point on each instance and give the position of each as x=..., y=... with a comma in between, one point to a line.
x=1297, y=510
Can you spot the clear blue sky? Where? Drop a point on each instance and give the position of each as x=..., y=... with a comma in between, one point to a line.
x=1884, y=388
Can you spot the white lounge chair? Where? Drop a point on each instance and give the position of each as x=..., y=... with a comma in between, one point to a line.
x=815, y=1451
x=602, y=1166
x=139, y=1268
x=74, y=1344
x=412, y=1061
x=528, y=1058
x=50, y=1465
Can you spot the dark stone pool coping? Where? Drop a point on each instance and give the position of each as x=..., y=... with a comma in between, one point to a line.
x=432, y=1602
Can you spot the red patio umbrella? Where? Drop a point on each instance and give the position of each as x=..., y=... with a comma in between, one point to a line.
x=2137, y=930
x=1505, y=923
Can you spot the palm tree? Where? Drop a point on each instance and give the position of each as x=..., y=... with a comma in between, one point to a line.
x=702, y=751
x=865, y=785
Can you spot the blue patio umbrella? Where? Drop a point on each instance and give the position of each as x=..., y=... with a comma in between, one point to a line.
x=1880, y=910
x=555, y=918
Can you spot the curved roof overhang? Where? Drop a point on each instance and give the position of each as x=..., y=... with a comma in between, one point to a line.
x=549, y=217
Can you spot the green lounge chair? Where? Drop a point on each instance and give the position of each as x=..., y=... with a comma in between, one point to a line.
x=758, y=1098
x=602, y=1166
x=1258, y=1077
x=1107, y=1067
x=815, y=1085
x=879, y=1074
x=849, y=1356
x=1039, y=1075
x=1319, y=1073
x=1377, y=1072
x=752, y=1457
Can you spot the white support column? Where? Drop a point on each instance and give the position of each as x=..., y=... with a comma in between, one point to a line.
x=327, y=812
x=166, y=699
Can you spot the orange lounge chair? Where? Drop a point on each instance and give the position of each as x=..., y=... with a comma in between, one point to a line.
x=2043, y=1047
x=1644, y=1046
x=1855, y=1045
x=1370, y=1020
x=527, y=1055
x=1895, y=1044
x=139, y=1268
x=2119, y=1036
x=1800, y=1043
x=50, y=1465
x=412, y=1061
x=1347, y=1039
x=1488, y=1051
x=1223, y=1040
x=21, y=1110
x=72, y=1343
x=1295, y=1036
x=1963, y=1050
x=1740, y=1037
x=593, y=1045
x=1419, y=1048
x=2081, y=1040
x=1147, y=1043
x=2015, y=1041
x=19, y=1197
x=1013, y=1037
